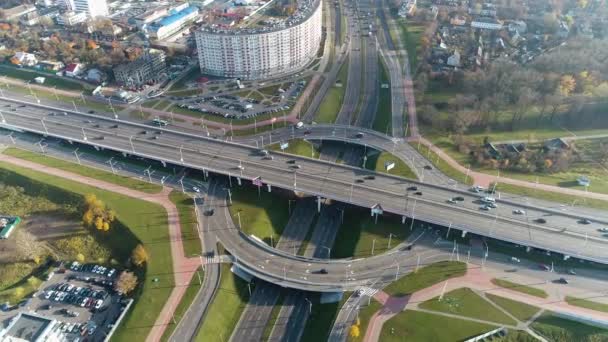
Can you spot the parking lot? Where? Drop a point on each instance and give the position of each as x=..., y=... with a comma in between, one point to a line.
x=81, y=297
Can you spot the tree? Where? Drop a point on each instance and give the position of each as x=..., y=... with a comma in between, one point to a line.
x=139, y=256
x=127, y=281
x=80, y=257
x=354, y=331
x=567, y=83
x=97, y=214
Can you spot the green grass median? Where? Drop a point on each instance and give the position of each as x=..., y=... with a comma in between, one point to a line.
x=226, y=308
x=86, y=171
x=193, y=288
x=519, y=310
x=188, y=221
x=529, y=290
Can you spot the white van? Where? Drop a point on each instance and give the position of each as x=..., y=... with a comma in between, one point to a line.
x=299, y=125
x=488, y=199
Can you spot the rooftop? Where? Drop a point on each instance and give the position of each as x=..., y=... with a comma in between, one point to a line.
x=303, y=11
x=28, y=327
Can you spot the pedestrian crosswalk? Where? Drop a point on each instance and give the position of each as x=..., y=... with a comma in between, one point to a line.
x=218, y=259
x=367, y=291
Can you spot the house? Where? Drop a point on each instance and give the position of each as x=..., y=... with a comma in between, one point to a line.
x=30, y=18
x=71, y=18
x=95, y=75
x=515, y=38
x=24, y=59
x=454, y=60
x=518, y=25
x=18, y=11
x=556, y=144
x=50, y=65
x=486, y=24
x=458, y=21
x=73, y=69
x=563, y=31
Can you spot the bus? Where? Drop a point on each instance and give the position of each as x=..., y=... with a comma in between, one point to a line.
x=158, y=121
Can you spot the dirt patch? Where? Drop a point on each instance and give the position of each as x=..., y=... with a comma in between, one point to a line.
x=42, y=227
x=45, y=227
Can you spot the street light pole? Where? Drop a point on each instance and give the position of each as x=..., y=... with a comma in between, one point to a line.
x=44, y=126
x=77, y=157
x=309, y=306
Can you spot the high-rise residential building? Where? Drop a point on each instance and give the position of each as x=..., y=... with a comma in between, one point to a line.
x=93, y=8
x=149, y=67
x=255, y=54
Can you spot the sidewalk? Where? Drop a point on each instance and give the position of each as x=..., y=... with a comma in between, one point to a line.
x=478, y=280
x=183, y=267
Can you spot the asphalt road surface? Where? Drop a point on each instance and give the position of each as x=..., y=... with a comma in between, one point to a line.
x=562, y=232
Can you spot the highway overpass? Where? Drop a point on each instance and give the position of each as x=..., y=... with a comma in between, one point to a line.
x=562, y=233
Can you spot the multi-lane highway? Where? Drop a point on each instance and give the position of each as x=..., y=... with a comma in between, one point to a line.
x=562, y=232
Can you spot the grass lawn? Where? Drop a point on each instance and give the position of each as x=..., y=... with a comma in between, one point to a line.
x=272, y=90
x=587, y=304
x=442, y=165
x=225, y=310
x=425, y=277
x=138, y=221
x=532, y=291
x=554, y=328
x=358, y=231
x=91, y=172
x=263, y=215
x=319, y=323
x=188, y=221
x=298, y=147
x=519, y=310
x=383, y=118
x=365, y=314
x=50, y=81
x=414, y=326
x=20, y=280
x=465, y=302
x=185, y=92
x=375, y=161
x=184, y=304
x=411, y=34
x=332, y=102
x=150, y=104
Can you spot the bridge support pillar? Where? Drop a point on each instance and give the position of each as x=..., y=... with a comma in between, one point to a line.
x=464, y=232
x=528, y=249
x=238, y=181
x=318, y=204
x=403, y=219
x=269, y=187
x=163, y=163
